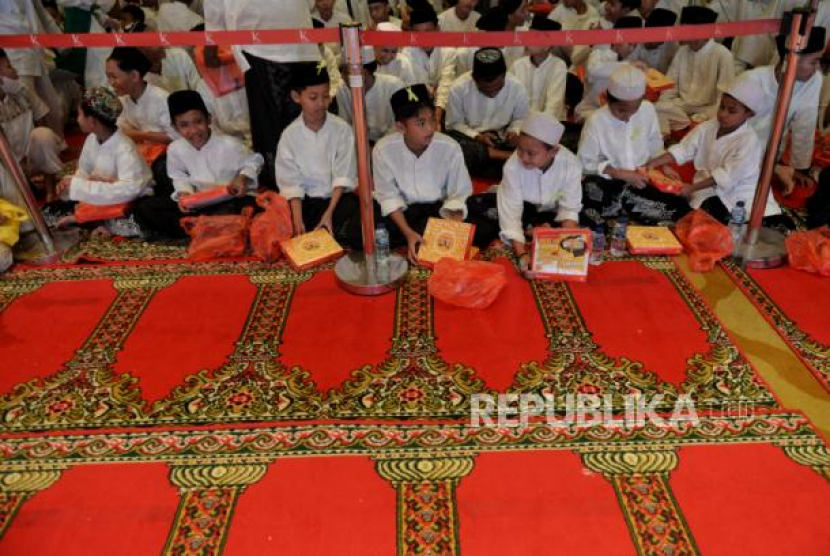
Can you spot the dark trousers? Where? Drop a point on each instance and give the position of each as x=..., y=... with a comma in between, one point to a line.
x=345, y=220
x=163, y=185
x=602, y=198
x=160, y=215
x=478, y=213
x=268, y=88
x=818, y=206
x=478, y=161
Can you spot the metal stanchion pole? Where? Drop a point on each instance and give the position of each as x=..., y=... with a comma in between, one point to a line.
x=764, y=247
x=364, y=273
x=10, y=161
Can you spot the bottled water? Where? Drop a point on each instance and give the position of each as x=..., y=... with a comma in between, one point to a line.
x=618, y=237
x=598, y=245
x=737, y=225
x=381, y=243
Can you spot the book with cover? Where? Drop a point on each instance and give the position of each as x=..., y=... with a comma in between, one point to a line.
x=313, y=248
x=560, y=254
x=445, y=238
x=661, y=181
x=657, y=81
x=652, y=240
x=206, y=198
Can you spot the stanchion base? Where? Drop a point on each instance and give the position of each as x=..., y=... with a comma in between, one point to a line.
x=31, y=250
x=361, y=275
x=768, y=252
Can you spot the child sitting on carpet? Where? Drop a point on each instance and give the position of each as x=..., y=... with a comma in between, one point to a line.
x=543, y=74
x=316, y=166
x=618, y=139
x=541, y=185
x=485, y=111
x=727, y=156
x=420, y=174
x=200, y=160
x=144, y=118
x=110, y=169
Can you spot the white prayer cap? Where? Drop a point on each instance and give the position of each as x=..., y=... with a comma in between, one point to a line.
x=543, y=127
x=748, y=93
x=627, y=83
x=388, y=26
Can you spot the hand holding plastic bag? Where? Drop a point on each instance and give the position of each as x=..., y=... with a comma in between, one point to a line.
x=810, y=251
x=271, y=227
x=468, y=284
x=706, y=240
x=217, y=236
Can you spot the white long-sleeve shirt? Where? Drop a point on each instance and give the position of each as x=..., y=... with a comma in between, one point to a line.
x=733, y=161
x=314, y=163
x=124, y=174
x=448, y=21
x=402, y=178
x=623, y=145
x=558, y=189
x=436, y=70
x=471, y=113
x=572, y=21
x=149, y=113
x=401, y=68
x=380, y=119
x=175, y=16
x=545, y=84
x=217, y=163
x=801, y=118
x=700, y=77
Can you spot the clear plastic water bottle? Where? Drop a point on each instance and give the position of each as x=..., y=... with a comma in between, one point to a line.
x=618, y=237
x=381, y=243
x=737, y=225
x=598, y=245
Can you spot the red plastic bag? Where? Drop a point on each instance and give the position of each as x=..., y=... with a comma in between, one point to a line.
x=218, y=236
x=84, y=212
x=468, y=284
x=810, y=251
x=706, y=240
x=271, y=226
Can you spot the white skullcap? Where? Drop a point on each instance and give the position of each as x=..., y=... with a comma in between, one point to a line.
x=388, y=26
x=749, y=94
x=543, y=127
x=627, y=83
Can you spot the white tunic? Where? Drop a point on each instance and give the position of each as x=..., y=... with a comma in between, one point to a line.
x=733, y=161
x=557, y=189
x=572, y=21
x=699, y=77
x=380, y=119
x=402, y=178
x=449, y=21
x=313, y=164
x=623, y=145
x=217, y=163
x=149, y=113
x=436, y=70
x=399, y=67
x=175, y=16
x=123, y=174
x=471, y=113
x=802, y=116
x=545, y=85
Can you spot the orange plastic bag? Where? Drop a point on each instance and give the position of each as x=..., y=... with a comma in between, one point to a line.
x=468, y=284
x=810, y=251
x=217, y=236
x=706, y=240
x=85, y=212
x=271, y=226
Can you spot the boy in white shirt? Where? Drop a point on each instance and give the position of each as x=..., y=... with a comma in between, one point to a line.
x=700, y=70
x=485, y=112
x=391, y=62
x=543, y=75
x=461, y=18
x=657, y=55
x=419, y=174
x=200, y=160
x=381, y=12
x=541, y=185
x=619, y=138
x=576, y=15
x=316, y=167
x=727, y=156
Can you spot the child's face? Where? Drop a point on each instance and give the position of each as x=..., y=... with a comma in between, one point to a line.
x=379, y=12
x=325, y=7
x=731, y=113
x=418, y=130
x=122, y=82
x=314, y=102
x=695, y=45
x=518, y=17
x=537, y=50
x=385, y=54
x=624, y=109
x=464, y=8
x=193, y=125
x=624, y=50
x=614, y=10
x=807, y=66
x=533, y=153
x=491, y=88
x=7, y=70
x=86, y=123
